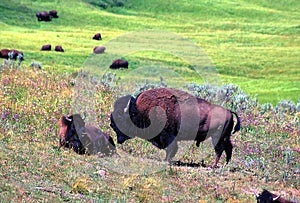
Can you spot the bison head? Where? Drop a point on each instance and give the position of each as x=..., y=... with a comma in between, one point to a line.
x=128, y=122
x=267, y=197
x=124, y=107
x=68, y=134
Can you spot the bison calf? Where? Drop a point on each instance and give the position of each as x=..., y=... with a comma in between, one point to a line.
x=97, y=36
x=82, y=139
x=59, y=48
x=268, y=197
x=119, y=63
x=164, y=116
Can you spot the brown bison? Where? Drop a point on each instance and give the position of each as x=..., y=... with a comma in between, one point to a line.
x=97, y=36
x=12, y=54
x=53, y=14
x=43, y=16
x=164, y=116
x=46, y=47
x=99, y=50
x=4, y=53
x=119, y=63
x=82, y=139
x=268, y=197
x=59, y=48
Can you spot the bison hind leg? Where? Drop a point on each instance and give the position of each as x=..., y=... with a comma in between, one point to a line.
x=228, y=150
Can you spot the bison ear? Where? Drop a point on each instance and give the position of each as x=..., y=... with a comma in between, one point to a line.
x=276, y=198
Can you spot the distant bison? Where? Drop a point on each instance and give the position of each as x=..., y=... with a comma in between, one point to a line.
x=268, y=197
x=99, y=50
x=4, y=53
x=43, y=16
x=74, y=134
x=97, y=36
x=16, y=55
x=46, y=47
x=119, y=63
x=53, y=14
x=59, y=48
x=11, y=54
x=164, y=116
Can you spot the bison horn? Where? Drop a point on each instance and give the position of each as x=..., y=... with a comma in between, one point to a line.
x=127, y=106
x=257, y=195
x=68, y=119
x=276, y=198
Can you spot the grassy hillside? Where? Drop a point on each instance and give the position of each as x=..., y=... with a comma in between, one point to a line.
x=253, y=44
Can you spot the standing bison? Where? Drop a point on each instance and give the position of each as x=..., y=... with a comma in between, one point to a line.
x=164, y=116
x=119, y=63
x=82, y=139
x=53, y=14
x=46, y=47
x=59, y=48
x=97, y=36
x=99, y=50
x=43, y=16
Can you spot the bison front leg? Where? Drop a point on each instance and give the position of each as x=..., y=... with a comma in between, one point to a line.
x=171, y=150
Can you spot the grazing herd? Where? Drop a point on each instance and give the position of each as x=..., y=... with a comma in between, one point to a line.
x=47, y=16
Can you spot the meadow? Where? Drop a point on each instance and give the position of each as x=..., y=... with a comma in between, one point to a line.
x=254, y=47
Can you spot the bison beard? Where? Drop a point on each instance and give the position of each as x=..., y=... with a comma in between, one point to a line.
x=164, y=116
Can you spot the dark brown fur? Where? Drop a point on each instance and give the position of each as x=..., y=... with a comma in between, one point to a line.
x=43, y=16
x=119, y=63
x=59, y=48
x=4, y=53
x=83, y=138
x=268, y=197
x=187, y=118
x=46, y=47
x=53, y=14
x=97, y=36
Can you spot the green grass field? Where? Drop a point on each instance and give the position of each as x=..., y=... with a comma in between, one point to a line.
x=253, y=45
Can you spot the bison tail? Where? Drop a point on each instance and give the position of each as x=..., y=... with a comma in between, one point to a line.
x=237, y=127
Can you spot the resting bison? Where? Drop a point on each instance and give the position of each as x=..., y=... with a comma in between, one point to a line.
x=84, y=139
x=12, y=54
x=97, y=36
x=99, y=50
x=164, y=116
x=46, y=47
x=268, y=197
x=59, y=48
x=43, y=16
x=119, y=63
x=53, y=14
